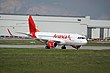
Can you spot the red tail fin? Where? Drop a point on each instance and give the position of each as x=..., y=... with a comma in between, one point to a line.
x=32, y=27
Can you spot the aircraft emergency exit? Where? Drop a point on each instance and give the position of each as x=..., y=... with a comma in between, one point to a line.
x=54, y=39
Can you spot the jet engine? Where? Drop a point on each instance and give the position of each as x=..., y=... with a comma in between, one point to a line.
x=51, y=44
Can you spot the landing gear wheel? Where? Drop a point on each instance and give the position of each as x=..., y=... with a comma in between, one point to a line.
x=63, y=47
x=47, y=47
x=78, y=47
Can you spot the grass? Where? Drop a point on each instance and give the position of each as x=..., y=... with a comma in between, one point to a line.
x=20, y=42
x=35, y=42
x=54, y=61
x=95, y=43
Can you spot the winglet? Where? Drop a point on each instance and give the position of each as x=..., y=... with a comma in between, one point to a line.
x=32, y=27
x=9, y=32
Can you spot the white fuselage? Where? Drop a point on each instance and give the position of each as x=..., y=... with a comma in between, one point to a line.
x=62, y=38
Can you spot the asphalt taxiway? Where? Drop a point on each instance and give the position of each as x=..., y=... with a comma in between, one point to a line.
x=58, y=47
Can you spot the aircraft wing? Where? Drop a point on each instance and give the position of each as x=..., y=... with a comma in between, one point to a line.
x=29, y=35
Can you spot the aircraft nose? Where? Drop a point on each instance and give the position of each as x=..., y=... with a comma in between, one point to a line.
x=84, y=41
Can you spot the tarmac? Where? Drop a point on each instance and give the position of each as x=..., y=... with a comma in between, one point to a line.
x=58, y=47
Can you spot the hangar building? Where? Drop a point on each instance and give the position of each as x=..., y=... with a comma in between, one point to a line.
x=47, y=23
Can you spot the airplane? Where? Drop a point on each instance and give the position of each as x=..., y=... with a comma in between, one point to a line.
x=14, y=36
x=53, y=39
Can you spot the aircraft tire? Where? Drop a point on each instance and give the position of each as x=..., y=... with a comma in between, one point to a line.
x=63, y=47
x=47, y=47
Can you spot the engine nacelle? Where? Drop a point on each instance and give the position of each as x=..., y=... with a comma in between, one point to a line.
x=51, y=44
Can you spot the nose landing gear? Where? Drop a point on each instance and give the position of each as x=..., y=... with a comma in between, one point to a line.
x=76, y=47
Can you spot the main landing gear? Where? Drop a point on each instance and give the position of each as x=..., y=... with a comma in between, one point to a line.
x=63, y=47
x=47, y=47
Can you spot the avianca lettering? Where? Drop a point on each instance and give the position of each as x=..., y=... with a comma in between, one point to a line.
x=62, y=36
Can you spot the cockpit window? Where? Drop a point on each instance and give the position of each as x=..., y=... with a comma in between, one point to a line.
x=81, y=37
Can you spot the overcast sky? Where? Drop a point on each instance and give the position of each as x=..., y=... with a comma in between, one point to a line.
x=97, y=9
